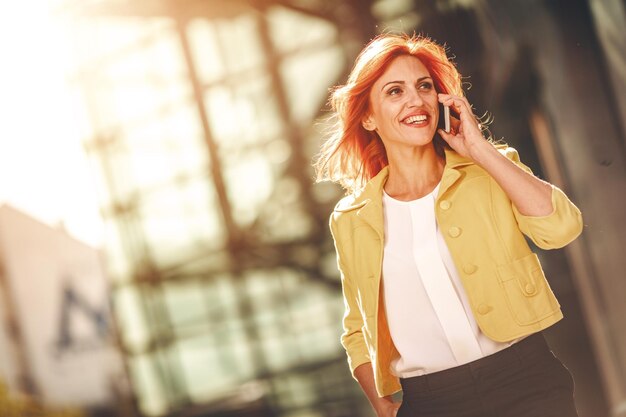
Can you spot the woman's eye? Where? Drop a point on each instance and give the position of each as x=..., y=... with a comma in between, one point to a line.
x=394, y=91
x=426, y=85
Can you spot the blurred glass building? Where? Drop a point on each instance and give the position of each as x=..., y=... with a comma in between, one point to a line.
x=201, y=118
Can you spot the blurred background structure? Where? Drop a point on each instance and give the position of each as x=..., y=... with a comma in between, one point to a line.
x=56, y=342
x=200, y=119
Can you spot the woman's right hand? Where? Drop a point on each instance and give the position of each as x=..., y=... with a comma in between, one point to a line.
x=387, y=408
x=383, y=406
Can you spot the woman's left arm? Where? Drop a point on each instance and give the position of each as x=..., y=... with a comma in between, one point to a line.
x=544, y=212
x=531, y=195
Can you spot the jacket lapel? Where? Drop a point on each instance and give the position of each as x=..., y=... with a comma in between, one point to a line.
x=450, y=172
x=372, y=214
x=368, y=203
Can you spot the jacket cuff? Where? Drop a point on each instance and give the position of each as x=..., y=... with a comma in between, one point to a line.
x=556, y=229
x=357, y=360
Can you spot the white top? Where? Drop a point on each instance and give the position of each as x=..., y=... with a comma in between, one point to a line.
x=429, y=315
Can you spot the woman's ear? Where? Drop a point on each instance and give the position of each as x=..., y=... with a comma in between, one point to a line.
x=368, y=124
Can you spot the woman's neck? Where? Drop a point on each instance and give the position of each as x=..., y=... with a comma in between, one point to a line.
x=413, y=175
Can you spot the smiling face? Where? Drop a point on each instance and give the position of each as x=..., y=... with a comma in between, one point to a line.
x=404, y=109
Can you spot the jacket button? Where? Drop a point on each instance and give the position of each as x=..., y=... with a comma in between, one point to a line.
x=445, y=205
x=530, y=289
x=484, y=309
x=469, y=269
x=454, y=231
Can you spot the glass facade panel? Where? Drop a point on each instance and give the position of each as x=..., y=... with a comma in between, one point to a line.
x=171, y=220
x=200, y=358
x=247, y=112
x=146, y=379
x=301, y=73
x=249, y=178
x=290, y=31
x=185, y=304
x=240, y=45
x=131, y=319
x=206, y=51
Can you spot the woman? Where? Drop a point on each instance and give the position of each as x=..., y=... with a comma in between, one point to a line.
x=444, y=298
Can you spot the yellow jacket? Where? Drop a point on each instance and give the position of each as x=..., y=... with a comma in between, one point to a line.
x=505, y=284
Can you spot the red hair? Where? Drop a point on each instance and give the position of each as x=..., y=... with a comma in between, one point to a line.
x=353, y=155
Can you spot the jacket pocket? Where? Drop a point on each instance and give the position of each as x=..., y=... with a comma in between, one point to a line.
x=527, y=291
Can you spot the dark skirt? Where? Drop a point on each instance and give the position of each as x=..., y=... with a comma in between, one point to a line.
x=523, y=380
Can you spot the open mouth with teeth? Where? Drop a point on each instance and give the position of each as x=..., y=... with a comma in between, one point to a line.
x=415, y=120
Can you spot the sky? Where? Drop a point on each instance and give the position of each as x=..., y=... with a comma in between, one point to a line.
x=43, y=167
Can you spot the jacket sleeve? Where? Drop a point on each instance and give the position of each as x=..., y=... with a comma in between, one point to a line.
x=352, y=337
x=556, y=229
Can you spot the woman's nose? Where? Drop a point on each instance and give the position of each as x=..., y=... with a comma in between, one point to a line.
x=414, y=99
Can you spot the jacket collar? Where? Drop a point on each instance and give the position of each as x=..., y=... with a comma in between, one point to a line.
x=454, y=160
x=368, y=202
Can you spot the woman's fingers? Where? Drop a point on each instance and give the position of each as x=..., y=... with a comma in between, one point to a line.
x=463, y=108
x=459, y=104
x=454, y=123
